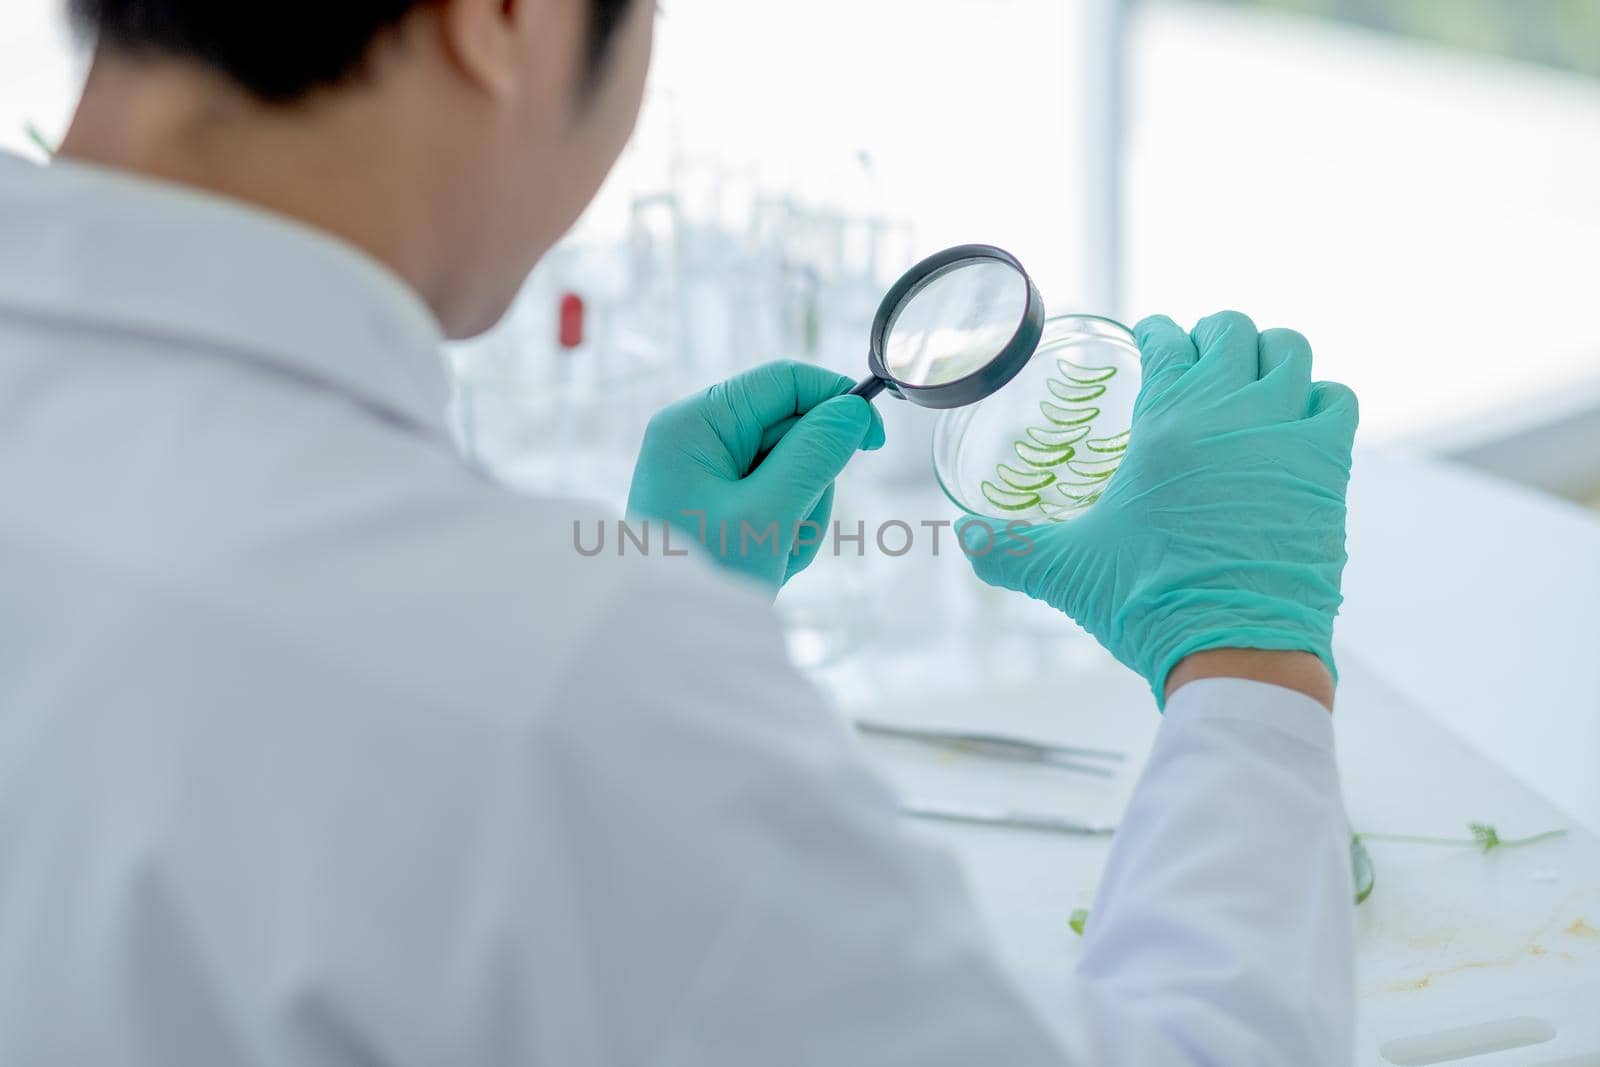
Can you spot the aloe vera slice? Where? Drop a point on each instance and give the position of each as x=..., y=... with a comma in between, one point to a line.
x=1080, y=375
x=1057, y=440
x=1361, y=866
x=1068, y=416
x=1024, y=481
x=1006, y=500
x=1117, y=442
x=1040, y=458
x=1075, y=394
x=1095, y=469
x=1058, y=512
x=1079, y=501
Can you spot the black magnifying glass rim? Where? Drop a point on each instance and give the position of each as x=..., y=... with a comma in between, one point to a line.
x=986, y=380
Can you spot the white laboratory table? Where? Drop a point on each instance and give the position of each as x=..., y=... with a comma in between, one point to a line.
x=1480, y=601
x=1467, y=654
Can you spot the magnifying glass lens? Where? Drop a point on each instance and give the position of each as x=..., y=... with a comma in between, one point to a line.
x=957, y=327
x=956, y=323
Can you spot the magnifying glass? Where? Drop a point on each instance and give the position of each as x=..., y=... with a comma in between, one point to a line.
x=955, y=329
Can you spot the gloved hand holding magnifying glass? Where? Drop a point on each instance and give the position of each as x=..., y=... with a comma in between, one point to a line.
x=762, y=450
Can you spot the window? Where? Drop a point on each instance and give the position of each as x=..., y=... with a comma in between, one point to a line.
x=1425, y=214
x=1558, y=33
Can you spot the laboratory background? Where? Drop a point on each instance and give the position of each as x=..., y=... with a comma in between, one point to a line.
x=1412, y=184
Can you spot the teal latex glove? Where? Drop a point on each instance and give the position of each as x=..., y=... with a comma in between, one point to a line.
x=754, y=453
x=1224, y=526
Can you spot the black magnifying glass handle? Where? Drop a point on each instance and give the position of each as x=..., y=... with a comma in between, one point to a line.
x=870, y=387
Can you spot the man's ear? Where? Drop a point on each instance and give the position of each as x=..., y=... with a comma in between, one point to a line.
x=488, y=39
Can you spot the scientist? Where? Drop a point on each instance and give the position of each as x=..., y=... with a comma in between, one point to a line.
x=316, y=749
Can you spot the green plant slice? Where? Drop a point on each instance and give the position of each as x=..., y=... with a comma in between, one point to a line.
x=38, y=139
x=1080, y=492
x=1091, y=476
x=1075, y=394
x=1068, y=416
x=1102, y=462
x=1006, y=500
x=1041, y=458
x=1057, y=439
x=1024, y=481
x=1361, y=864
x=1079, y=921
x=1117, y=442
x=1058, y=512
x=1081, y=375
x=1079, y=502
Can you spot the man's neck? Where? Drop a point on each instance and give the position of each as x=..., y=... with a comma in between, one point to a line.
x=331, y=163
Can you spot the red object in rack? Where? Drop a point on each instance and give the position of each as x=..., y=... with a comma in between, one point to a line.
x=572, y=315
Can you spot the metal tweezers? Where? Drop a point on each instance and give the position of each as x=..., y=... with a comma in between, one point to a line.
x=995, y=746
x=1017, y=820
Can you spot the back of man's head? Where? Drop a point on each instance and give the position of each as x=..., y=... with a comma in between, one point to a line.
x=453, y=140
x=279, y=51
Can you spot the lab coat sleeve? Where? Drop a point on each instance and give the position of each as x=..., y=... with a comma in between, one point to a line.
x=756, y=887
x=1223, y=931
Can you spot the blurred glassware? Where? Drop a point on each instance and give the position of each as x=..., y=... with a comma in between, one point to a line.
x=711, y=271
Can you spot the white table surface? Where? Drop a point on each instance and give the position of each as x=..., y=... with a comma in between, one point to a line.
x=1465, y=667
x=1480, y=602
x=1450, y=937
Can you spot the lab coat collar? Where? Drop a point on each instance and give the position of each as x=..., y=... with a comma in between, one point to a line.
x=117, y=251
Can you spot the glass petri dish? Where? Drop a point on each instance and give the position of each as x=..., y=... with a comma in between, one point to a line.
x=1044, y=448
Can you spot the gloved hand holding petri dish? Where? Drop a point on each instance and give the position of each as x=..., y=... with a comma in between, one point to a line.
x=1035, y=414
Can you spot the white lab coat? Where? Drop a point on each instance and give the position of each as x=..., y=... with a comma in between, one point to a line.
x=318, y=749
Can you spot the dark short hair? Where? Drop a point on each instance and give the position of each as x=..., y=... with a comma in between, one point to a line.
x=279, y=51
